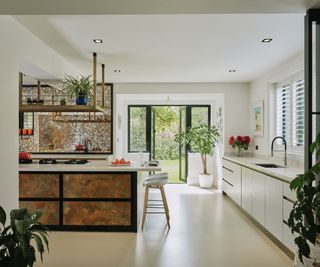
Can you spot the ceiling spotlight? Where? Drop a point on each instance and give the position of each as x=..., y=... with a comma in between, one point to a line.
x=98, y=41
x=232, y=70
x=266, y=40
x=117, y=71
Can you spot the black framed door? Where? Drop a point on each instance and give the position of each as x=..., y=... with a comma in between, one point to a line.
x=144, y=130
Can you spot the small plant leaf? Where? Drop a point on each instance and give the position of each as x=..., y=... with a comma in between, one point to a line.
x=39, y=245
x=3, y=216
x=22, y=226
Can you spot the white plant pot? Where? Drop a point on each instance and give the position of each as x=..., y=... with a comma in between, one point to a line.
x=193, y=180
x=205, y=180
x=314, y=260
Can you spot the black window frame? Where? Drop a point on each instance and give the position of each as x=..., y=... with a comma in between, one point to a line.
x=149, y=122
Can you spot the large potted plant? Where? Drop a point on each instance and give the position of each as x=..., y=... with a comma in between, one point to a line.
x=15, y=239
x=202, y=139
x=304, y=219
x=80, y=87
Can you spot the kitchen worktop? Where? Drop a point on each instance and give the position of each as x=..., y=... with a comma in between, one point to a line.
x=286, y=174
x=91, y=166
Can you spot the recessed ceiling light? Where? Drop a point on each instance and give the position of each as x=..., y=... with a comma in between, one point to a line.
x=98, y=41
x=232, y=70
x=266, y=40
x=117, y=71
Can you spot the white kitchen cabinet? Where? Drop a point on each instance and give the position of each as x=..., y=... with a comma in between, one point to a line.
x=231, y=182
x=288, y=198
x=274, y=212
x=259, y=197
x=246, y=200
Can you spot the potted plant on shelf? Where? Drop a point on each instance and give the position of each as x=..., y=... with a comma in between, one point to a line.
x=304, y=219
x=81, y=88
x=15, y=247
x=240, y=143
x=202, y=139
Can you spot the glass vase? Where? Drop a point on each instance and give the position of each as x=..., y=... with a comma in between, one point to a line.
x=238, y=152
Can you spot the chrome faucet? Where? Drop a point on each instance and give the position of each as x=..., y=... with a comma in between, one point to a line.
x=285, y=148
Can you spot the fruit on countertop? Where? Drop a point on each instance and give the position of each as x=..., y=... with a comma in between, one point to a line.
x=24, y=155
x=120, y=162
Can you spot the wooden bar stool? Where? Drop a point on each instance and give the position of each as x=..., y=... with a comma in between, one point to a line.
x=156, y=181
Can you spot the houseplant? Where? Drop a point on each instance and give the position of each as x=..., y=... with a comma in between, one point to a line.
x=80, y=87
x=304, y=218
x=202, y=139
x=15, y=239
x=240, y=143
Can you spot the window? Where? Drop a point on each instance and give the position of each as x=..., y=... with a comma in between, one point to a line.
x=137, y=129
x=26, y=120
x=199, y=115
x=290, y=112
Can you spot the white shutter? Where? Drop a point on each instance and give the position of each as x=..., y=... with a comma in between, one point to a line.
x=283, y=111
x=298, y=113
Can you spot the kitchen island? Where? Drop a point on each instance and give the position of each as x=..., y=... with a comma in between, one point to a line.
x=89, y=197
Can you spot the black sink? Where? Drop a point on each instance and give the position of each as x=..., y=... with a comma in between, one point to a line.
x=268, y=165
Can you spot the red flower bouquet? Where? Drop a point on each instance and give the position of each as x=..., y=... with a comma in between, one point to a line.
x=240, y=143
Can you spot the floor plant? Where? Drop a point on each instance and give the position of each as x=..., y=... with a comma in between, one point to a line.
x=304, y=218
x=23, y=229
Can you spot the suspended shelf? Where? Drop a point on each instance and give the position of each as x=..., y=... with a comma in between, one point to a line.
x=52, y=97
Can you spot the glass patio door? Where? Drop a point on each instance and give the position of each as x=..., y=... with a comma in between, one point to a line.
x=182, y=147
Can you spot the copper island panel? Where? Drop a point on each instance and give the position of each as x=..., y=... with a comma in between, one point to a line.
x=97, y=185
x=97, y=213
x=50, y=210
x=38, y=185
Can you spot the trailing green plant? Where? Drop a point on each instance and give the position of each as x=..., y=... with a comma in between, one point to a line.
x=15, y=239
x=202, y=139
x=78, y=86
x=304, y=218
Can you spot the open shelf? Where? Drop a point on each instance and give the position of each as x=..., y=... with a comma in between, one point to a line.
x=57, y=108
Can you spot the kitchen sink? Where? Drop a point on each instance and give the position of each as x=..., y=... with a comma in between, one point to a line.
x=269, y=165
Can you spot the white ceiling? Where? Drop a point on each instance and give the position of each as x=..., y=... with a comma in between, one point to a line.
x=173, y=48
x=40, y=7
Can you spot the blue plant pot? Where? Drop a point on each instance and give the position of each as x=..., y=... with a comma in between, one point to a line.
x=82, y=100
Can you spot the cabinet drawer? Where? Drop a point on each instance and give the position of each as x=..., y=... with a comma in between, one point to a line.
x=287, y=192
x=274, y=211
x=97, y=186
x=50, y=210
x=38, y=185
x=97, y=213
x=287, y=208
x=288, y=238
x=231, y=171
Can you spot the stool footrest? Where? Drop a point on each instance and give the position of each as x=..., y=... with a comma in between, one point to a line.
x=155, y=212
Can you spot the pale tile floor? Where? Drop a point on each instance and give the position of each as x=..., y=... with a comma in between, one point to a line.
x=206, y=230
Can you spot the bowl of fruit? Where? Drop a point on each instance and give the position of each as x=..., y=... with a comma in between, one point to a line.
x=120, y=162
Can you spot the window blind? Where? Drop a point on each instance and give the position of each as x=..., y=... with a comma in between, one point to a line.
x=290, y=112
x=283, y=111
x=298, y=113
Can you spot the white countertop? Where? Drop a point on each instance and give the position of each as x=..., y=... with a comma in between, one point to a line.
x=286, y=174
x=91, y=166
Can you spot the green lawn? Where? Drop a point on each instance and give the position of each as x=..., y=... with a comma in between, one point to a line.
x=171, y=167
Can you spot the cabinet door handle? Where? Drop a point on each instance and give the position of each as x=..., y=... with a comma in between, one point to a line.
x=227, y=182
x=288, y=199
x=227, y=169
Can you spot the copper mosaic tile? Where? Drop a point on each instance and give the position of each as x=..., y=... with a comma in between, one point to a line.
x=38, y=185
x=52, y=136
x=50, y=215
x=97, y=185
x=97, y=213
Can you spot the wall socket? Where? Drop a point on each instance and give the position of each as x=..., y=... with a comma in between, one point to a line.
x=257, y=147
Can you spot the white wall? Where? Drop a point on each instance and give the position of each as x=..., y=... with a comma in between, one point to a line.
x=233, y=98
x=261, y=89
x=18, y=47
x=236, y=100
